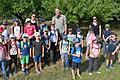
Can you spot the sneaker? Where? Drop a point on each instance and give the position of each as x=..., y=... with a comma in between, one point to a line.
x=98, y=72
x=90, y=74
x=79, y=76
x=73, y=77
x=111, y=67
x=26, y=71
x=37, y=71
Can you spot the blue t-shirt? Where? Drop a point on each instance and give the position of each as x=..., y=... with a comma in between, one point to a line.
x=25, y=48
x=107, y=33
x=41, y=28
x=45, y=40
x=77, y=51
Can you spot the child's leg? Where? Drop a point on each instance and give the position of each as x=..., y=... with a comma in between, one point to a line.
x=73, y=73
x=62, y=59
x=9, y=66
x=74, y=65
x=15, y=63
x=36, y=66
x=95, y=64
x=40, y=66
x=90, y=68
x=4, y=69
x=78, y=70
x=66, y=60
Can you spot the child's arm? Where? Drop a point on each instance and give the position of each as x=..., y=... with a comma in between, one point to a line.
x=49, y=45
x=69, y=49
x=19, y=53
x=113, y=53
x=33, y=51
x=57, y=38
x=30, y=52
x=87, y=51
x=100, y=31
x=42, y=50
x=60, y=48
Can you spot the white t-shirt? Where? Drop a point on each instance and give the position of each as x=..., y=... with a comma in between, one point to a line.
x=16, y=31
x=6, y=33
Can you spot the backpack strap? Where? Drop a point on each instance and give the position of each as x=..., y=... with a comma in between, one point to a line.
x=22, y=44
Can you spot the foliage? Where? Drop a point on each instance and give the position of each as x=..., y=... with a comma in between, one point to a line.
x=75, y=10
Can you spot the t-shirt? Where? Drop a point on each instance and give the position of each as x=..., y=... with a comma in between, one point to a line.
x=2, y=53
x=45, y=40
x=29, y=30
x=94, y=50
x=77, y=51
x=17, y=31
x=112, y=46
x=13, y=48
x=37, y=47
x=80, y=37
x=5, y=33
x=64, y=45
x=41, y=28
x=107, y=33
x=71, y=38
x=60, y=22
x=25, y=48
x=53, y=36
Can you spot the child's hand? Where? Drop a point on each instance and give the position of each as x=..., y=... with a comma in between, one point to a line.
x=87, y=58
x=42, y=55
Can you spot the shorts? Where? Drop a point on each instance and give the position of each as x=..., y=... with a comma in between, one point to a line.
x=25, y=59
x=109, y=56
x=37, y=58
x=76, y=65
x=64, y=56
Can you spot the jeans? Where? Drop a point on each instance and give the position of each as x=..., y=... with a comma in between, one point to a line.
x=93, y=64
x=3, y=67
x=46, y=56
x=65, y=57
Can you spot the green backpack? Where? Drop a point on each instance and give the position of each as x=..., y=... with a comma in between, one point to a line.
x=22, y=44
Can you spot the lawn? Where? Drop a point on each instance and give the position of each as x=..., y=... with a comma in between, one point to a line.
x=56, y=72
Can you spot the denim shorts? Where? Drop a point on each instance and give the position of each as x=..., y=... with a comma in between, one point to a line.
x=37, y=58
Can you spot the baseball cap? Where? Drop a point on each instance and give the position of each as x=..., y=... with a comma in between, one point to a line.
x=24, y=35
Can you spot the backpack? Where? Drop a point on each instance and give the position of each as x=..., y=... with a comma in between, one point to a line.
x=54, y=32
x=22, y=44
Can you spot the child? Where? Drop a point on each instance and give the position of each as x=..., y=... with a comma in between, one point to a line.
x=64, y=51
x=37, y=51
x=112, y=49
x=76, y=58
x=107, y=32
x=42, y=26
x=29, y=29
x=13, y=53
x=80, y=36
x=94, y=49
x=53, y=34
x=70, y=37
x=24, y=51
x=3, y=58
x=46, y=42
x=16, y=29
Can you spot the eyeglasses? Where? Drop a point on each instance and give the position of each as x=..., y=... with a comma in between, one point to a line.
x=70, y=31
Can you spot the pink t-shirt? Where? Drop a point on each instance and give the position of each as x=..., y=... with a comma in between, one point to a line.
x=94, y=50
x=29, y=29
